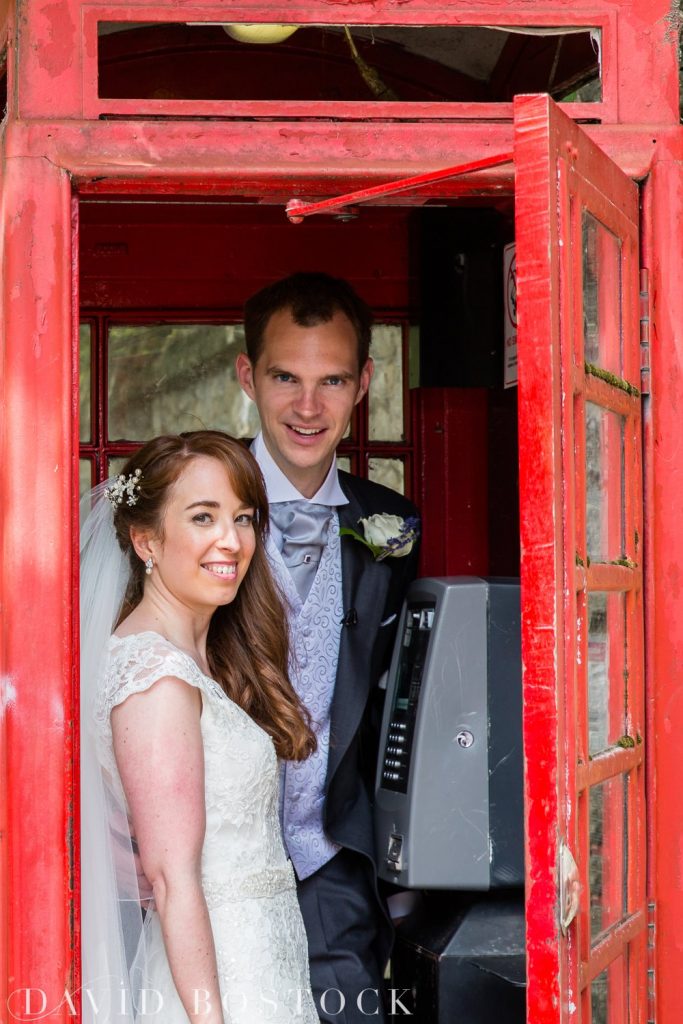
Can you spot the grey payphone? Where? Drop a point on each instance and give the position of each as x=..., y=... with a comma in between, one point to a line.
x=448, y=811
x=448, y=801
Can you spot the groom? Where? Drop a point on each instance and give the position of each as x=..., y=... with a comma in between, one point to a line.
x=306, y=367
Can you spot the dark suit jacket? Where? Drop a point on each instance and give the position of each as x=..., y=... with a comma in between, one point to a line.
x=376, y=591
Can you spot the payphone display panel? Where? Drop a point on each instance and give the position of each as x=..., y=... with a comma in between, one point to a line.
x=448, y=800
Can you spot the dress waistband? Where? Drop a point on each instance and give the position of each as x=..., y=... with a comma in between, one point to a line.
x=259, y=885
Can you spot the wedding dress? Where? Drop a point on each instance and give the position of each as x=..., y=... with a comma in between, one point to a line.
x=247, y=879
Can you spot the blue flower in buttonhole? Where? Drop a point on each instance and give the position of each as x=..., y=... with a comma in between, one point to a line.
x=386, y=536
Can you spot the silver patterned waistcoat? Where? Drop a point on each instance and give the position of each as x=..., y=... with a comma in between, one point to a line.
x=315, y=630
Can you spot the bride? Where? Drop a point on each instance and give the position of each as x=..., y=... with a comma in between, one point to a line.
x=186, y=708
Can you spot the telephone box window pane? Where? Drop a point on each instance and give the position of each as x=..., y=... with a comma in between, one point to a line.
x=336, y=63
x=606, y=670
x=385, y=399
x=165, y=378
x=85, y=477
x=344, y=462
x=390, y=472
x=115, y=466
x=604, y=484
x=601, y=295
x=608, y=858
x=608, y=994
x=85, y=384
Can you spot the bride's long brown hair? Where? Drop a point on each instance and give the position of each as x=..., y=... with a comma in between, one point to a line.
x=247, y=644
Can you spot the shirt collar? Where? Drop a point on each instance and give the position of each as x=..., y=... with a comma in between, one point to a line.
x=280, y=488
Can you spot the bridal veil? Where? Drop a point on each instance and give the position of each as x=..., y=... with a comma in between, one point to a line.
x=112, y=915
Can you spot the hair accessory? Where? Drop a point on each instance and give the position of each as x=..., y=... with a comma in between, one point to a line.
x=149, y=565
x=125, y=487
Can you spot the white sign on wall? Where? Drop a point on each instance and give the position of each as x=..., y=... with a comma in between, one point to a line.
x=510, y=316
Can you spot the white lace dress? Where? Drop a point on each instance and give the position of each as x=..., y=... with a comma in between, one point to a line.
x=248, y=882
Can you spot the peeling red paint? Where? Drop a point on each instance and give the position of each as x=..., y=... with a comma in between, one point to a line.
x=57, y=50
x=552, y=161
x=37, y=331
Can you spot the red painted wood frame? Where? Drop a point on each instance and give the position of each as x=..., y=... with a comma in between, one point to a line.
x=38, y=469
x=562, y=183
x=58, y=79
x=452, y=481
x=38, y=652
x=564, y=188
x=39, y=161
x=94, y=106
x=39, y=935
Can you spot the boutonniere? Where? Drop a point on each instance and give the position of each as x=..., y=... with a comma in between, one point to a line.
x=386, y=536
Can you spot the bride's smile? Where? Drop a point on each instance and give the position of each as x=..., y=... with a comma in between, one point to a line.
x=227, y=570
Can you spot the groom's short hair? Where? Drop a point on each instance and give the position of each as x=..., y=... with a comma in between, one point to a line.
x=312, y=298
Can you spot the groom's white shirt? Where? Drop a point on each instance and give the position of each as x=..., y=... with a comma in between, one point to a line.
x=280, y=488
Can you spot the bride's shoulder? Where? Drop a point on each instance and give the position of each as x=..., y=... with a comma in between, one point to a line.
x=145, y=643
x=136, y=661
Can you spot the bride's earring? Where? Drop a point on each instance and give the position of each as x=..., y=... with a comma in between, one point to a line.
x=149, y=565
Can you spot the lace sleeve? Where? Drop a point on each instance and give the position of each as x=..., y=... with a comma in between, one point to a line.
x=135, y=663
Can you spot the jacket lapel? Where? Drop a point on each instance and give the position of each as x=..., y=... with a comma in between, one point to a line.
x=353, y=555
x=364, y=588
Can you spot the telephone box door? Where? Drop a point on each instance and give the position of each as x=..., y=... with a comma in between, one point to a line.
x=581, y=567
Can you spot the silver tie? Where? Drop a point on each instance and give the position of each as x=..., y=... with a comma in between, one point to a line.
x=304, y=527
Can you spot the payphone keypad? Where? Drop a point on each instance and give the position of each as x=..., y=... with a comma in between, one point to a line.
x=396, y=763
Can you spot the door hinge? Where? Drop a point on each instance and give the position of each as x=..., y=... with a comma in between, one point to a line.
x=651, y=977
x=644, y=304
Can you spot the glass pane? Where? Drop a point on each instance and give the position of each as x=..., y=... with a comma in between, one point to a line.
x=385, y=398
x=608, y=864
x=114, y=466
x=599, y=999
x=344, y=462
x=390, y=472
x=604, y=484
x=393, y=63
x=165, y=378
x=609, y=994
x=85, y=382
x=601, y=295
x=85, y=476
x=607, y=698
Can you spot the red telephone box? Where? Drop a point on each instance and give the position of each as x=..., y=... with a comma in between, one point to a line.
x=110, y=138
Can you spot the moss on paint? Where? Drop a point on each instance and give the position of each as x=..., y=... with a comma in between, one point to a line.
x=611, y=378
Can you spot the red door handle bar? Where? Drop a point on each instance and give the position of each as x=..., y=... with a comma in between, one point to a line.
x=296, y=209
